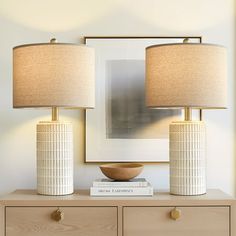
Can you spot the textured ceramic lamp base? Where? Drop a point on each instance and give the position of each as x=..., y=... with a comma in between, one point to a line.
x=54, y=158
x=187, y=158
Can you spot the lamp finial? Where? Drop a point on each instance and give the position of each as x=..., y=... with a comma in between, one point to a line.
x=186, y=40
x=53, y=40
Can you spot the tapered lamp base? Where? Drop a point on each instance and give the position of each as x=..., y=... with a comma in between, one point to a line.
x=187, y=158
x=54, y=158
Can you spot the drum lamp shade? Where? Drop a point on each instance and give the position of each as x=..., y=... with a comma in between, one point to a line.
x=53, y=75
x=186, y=75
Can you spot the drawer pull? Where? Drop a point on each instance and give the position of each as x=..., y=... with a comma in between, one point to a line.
x=175, y=214
x=57, y=215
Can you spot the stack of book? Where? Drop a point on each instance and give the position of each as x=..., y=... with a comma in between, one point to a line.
x=134, y=187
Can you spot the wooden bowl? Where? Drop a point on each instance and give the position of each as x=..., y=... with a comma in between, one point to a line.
x=121, y=171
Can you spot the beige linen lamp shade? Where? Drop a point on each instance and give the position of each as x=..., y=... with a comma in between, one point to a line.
x=53, y=75
x=186, y=75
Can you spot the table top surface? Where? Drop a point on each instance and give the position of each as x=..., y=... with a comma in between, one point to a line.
x=31, y=196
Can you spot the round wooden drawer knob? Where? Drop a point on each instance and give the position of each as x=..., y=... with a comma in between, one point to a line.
x=175, y=214
x=57, y=215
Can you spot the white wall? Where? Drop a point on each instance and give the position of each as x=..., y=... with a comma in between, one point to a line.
x=28, y=21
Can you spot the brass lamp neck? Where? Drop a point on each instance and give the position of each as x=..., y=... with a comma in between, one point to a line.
x=187, y=113
x=55, y=113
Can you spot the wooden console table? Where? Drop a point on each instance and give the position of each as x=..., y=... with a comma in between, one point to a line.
x=24, y=213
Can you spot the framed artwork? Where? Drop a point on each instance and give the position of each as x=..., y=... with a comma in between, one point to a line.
x=121, y=128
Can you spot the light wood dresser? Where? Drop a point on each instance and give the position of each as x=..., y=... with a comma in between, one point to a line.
x=24, y=213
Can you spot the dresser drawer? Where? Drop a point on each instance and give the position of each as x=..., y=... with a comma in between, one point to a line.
x=77, y=221
x=193, y=221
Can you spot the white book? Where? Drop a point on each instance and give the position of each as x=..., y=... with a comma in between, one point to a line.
x=121, y=191
x=138, y=182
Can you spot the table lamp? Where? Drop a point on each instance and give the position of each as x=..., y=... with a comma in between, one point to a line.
x=54, y=75
x=186, y=76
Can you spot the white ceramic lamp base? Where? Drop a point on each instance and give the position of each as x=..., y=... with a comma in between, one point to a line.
x=54, y=158
x=187, y=158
